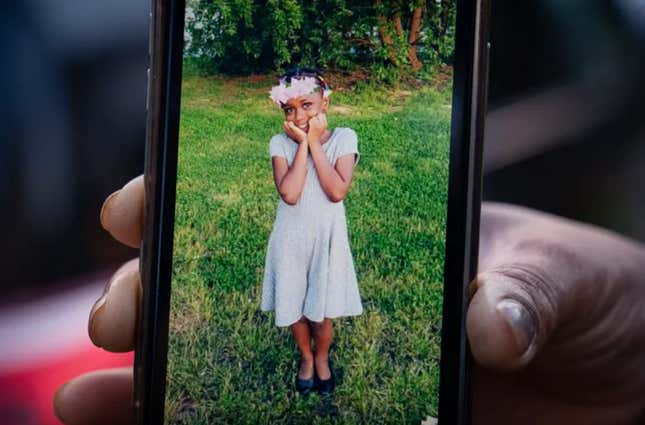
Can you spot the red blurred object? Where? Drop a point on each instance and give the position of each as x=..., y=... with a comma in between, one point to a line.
x=44, y=344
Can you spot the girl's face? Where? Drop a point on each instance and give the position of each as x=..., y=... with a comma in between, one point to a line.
x=300, y=110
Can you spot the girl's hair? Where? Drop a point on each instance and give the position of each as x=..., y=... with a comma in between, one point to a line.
x=306, y=72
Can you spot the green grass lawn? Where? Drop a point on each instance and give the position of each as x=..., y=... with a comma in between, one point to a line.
x=228, y=363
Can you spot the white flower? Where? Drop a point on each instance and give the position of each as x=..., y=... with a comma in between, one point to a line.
x=298, y=87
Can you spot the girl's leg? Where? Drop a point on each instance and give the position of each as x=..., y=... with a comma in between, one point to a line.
x=323, y=333
x=302, y=335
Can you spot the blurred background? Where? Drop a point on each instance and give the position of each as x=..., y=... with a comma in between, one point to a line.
x=565, y=134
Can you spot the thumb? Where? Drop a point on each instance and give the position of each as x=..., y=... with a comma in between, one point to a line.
x=511, y=314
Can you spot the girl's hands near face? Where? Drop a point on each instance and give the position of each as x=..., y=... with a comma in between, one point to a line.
x=317, y=127
x=295, y=132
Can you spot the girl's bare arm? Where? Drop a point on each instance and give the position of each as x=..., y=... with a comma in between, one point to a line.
x=334, y=181
x=291, y=180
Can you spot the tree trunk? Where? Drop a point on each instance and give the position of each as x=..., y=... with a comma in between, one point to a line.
x=398, y=25
x=413, y=37
x=386, y=38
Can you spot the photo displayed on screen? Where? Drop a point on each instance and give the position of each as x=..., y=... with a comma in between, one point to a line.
x=309, y=237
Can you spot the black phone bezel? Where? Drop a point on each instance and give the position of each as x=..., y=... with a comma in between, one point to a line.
x=462, y=233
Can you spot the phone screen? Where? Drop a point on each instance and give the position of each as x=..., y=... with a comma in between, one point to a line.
x=311, y=206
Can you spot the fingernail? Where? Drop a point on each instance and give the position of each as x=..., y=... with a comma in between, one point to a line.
x=105, y=206
x=520, y=322
x=96, y=311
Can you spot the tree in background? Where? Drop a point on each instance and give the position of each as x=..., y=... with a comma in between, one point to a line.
x=390, y=24
x=387, y=39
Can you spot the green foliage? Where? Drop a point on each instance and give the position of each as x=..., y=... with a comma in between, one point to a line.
x=228, y=363
x=440, y=31
x=239, y=37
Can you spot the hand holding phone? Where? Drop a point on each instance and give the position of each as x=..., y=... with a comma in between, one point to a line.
x=506, y=330
x=104, y=397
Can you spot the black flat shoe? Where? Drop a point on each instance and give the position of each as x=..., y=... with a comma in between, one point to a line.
x=326, y=386
x=304, y=386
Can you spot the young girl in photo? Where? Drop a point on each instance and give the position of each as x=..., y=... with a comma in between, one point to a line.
x=309, y=275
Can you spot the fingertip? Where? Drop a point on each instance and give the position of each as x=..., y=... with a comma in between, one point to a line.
x=59, y=403
x=122, y=213
x=501, y=331
x=105, y=207
x=95, y=313
x=112, y=322
x=99, y=397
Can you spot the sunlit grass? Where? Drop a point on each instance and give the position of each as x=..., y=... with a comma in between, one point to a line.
x=228, y=363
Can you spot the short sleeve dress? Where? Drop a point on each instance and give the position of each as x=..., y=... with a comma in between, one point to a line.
x=309, y=268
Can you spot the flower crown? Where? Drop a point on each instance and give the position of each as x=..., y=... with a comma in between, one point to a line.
x=297, y=87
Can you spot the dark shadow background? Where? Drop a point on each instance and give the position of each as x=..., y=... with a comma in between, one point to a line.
x=72, y=127
x=565, y=131
x=566, y=124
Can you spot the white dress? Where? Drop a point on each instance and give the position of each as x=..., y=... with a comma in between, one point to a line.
x=309, y=269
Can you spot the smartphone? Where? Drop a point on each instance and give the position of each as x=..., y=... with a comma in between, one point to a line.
x=312, y=203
